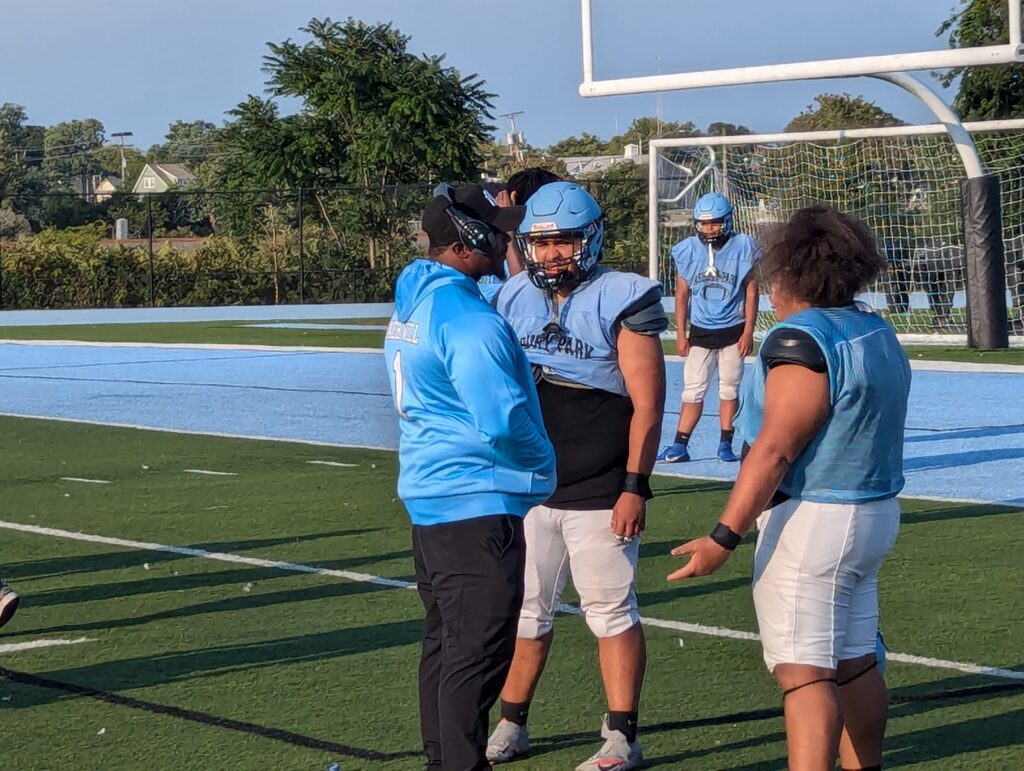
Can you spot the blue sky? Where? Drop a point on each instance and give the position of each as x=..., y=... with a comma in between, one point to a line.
x=139, y=65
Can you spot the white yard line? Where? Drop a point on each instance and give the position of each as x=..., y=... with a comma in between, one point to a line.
x=678, y=626
x=207, y=472
x=89, y=481
x=332, y=463
x=33, y=644
x=210, y=555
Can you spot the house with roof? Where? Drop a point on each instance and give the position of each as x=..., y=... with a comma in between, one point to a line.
x=161, y=177
x=95, y=188
x=106, y=187
x=584, y=165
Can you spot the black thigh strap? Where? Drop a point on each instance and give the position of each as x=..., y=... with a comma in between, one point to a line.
x=804, y=685
x=863, y=672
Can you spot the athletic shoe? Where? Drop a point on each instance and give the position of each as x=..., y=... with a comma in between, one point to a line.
x=8, y=602
x=508, y=741
x=617, y=754
x=674, y=453
x=725, y=452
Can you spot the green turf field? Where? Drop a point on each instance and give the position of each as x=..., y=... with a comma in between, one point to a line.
x=206, y=664
x=222, y=332
x=239, y=333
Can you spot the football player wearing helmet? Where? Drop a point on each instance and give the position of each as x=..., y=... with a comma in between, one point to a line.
x=716, y=307
x=592, y=337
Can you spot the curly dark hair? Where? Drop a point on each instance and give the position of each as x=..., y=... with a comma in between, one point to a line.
x=822, y=256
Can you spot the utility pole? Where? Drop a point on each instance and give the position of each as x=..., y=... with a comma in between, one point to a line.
x=514, y=138
x=124, y=165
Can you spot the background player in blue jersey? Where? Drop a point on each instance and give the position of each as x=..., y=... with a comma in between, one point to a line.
x=824, y=415
x=473, y=458
x=716, y=294
x=591, y=335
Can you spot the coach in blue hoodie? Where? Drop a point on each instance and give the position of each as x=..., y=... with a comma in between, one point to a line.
x=473, y=457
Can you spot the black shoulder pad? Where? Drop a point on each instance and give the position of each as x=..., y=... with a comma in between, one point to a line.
x=646, y=316
x=793, y=346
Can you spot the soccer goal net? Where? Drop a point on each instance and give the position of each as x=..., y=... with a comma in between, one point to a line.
x=904, y=182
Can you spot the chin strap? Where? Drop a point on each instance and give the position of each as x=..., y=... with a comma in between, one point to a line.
x=711, y=271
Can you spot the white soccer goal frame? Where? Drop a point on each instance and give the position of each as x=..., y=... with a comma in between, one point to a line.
x=1007, y=53
x=655, y=146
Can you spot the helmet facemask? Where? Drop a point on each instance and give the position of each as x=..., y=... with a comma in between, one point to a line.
x=566, y=271
x=718, y=240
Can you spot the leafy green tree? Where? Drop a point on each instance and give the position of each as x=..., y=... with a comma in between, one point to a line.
x=841, y=111
x=71, y=152
x=584, y=144
x=21, y=178
x=642, y=130
x=984, y=93
x=720, y=129
x=621, y=190
x=373, y=116
x=190, y=143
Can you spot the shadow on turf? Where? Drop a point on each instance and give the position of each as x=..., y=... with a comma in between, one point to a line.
x=961, y=459
x=205, y=718
x=89, y=563
x=155, y=580
x=966, y=511
x=925, y=745
x=915, y=747
x=690, y=590
x=972, y=432
x=703, y=486
x=179, y=666
x=256, y=597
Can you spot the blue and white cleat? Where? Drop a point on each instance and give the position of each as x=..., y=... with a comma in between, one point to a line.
x=674, y=453
x=725, y=452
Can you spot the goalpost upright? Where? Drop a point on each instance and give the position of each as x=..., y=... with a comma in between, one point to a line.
x=987, y=325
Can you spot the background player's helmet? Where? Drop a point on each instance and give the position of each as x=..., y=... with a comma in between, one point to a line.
x=566, y=209
x=713, y=207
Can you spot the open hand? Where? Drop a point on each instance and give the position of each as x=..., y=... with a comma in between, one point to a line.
x=706, y=557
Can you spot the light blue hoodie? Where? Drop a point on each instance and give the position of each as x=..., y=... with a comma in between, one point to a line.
x=473, y=441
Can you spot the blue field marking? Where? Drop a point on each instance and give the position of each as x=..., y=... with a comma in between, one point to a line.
x=965, y=436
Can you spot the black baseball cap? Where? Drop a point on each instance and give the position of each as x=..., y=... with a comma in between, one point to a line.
x=473, y=202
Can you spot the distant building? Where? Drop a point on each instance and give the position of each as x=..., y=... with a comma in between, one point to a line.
x=582, y=165
x=95, y=188
x=106, y=187
x=161, y=177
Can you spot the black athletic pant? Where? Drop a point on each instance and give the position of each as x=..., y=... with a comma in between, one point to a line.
x=470, y=578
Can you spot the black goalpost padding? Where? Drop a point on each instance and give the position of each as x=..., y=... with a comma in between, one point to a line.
x=987, y=324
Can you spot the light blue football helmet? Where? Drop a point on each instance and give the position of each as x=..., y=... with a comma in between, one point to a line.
x=561, y=209
x=713, y=207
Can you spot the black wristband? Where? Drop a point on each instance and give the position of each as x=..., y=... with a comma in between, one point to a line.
x=638, y=484
x=725, y=537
